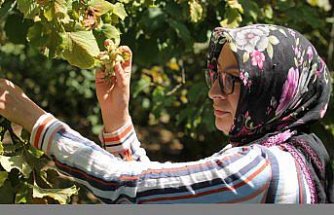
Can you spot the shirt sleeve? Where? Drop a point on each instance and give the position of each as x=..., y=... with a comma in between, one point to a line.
x=240, y=174
x=124, y=143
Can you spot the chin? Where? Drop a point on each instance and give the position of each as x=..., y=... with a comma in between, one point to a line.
x=223, y=125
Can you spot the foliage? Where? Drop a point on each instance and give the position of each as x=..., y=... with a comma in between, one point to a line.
x=24, y=177
x=169, y=40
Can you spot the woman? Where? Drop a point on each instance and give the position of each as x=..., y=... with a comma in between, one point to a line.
x=267, y=84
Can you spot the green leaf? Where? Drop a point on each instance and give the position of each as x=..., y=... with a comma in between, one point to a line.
x=182, y=31
x=111, y=32
x=6, y=9
x=253, y=10
x=56, y=9
x=1, y=148
x=7, y=193
x=232, y=20
x=29, y=8
x=196, y=11
x=3, y=177
x=142, y=84
x=234, y=4
x=16, y=162
x=16, y=28
x=24, y=194
x=63, y=196
x=55, y=44
x=268, y=11
x=80, y=48
x=35, y=152
x=101, y=7
x=153, y=20
x=119, y=11
x=35, y=35
x=325, y=4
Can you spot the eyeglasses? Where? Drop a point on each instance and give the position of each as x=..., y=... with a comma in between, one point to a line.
x=226, y=81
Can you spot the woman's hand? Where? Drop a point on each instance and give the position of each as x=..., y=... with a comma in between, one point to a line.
x=17, y=107
x=114, y=94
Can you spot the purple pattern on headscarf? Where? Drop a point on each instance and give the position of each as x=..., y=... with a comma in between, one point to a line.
x=289, y=89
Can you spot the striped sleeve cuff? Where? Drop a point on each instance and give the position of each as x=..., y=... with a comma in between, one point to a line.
x=119, y=140
x=44, y=130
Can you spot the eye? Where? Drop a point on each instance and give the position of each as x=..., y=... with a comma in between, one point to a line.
x=228, y=78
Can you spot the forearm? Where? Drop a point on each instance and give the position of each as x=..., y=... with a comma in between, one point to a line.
x=113, y=118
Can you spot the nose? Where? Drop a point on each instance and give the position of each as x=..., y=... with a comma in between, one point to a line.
x=215, y=92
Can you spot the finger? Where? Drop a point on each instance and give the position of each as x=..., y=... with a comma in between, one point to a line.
x=127, y=50
x=100, y=76
x=113, y=79
x=123, y=78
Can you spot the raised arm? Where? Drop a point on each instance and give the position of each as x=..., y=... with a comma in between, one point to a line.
x=113, y=93
x=236, y=175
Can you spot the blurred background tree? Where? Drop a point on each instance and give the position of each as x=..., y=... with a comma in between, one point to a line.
x=169, y=105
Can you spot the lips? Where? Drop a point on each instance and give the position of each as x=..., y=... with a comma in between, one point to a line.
x=219, y=112
x=216, y=108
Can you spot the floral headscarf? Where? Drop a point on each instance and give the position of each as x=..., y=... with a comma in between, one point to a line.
x=285, y=86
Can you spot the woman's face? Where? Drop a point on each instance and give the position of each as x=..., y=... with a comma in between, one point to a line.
x=225, y=106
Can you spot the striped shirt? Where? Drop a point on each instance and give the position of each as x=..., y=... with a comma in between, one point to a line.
x=120, y=171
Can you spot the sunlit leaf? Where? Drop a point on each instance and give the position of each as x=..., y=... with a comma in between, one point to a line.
x=29, y=8
x=235, y=5
x=35, y=152
x=56, y=9
x=1, y=148
x=325, y=4
x=80, y=48
x=111, y=32
x=63, y=196
x=15, y=162
x=100, y=7
x=119, y=11
x=196, y=11
x=268, y=11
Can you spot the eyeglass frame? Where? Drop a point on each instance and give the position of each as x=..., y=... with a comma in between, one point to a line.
x=218, y=75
